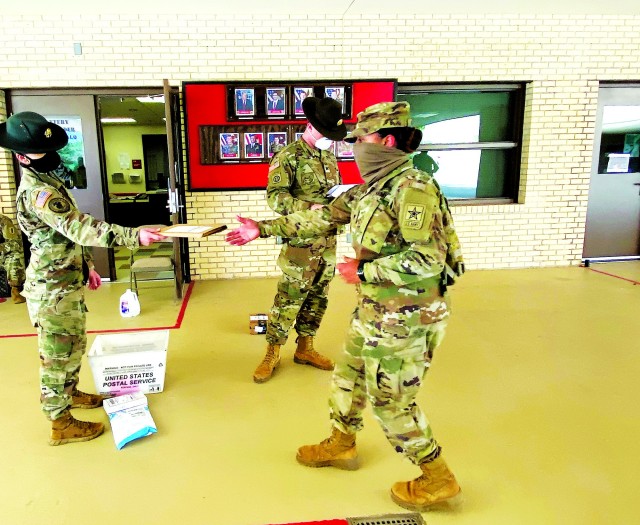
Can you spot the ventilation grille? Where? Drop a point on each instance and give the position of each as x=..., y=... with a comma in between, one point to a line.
x=388, y=519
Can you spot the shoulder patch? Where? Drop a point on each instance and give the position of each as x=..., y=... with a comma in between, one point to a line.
x=274, y=165
x=59, y=205
x=413, y=216
x=42, y=198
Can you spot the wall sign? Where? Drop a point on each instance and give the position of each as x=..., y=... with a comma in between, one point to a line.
x=73, y=171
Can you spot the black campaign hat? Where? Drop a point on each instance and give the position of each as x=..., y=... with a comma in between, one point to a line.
x=325, y=114
x=29, y=132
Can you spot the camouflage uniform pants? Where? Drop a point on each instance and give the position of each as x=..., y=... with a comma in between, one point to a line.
x=302, y=290
x=385, y=363
x=62, y=340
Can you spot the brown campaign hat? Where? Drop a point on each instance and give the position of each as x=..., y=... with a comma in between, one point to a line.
x=325, y=114
x=29, y=132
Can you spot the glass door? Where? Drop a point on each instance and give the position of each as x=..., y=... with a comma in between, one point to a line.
x=613, y=213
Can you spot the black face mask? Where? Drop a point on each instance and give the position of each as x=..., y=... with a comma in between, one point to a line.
x=45, y=164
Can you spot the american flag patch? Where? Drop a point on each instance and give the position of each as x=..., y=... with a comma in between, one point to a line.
x=42, y=198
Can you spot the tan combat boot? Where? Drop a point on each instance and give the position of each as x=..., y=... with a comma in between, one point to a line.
x=269, y=364
x=436, y=487
x=338, y=450
x=306, y=355
x=66, y=429
x=81, y=399
x=15, y=295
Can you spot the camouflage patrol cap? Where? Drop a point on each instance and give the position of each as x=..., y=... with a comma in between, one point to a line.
x=379, y=116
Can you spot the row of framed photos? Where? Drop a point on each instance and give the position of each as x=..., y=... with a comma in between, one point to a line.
x=281, y=102
x=220, y=144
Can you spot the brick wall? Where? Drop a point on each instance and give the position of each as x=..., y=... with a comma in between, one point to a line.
x=7, y=178
x=563, y=57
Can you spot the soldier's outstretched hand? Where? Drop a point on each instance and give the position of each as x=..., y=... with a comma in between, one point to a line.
x=247, y=232
x=150, y=235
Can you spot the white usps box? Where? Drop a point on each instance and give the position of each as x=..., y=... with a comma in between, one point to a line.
x=129, y=362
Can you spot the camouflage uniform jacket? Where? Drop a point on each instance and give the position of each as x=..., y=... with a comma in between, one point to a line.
x=57, y=231
x=11, y=253
x=401, y=225
x=300, y=176
x=9, y=238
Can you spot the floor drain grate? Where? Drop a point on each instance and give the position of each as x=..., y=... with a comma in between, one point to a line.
x=388, y=519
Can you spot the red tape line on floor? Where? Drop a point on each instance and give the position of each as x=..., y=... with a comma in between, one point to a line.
x=616, y=276
x=178, y=323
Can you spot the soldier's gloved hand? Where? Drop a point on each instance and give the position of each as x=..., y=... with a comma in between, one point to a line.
x=248, y=232
x=150, y=235
x=349, y=270
x=94, y=281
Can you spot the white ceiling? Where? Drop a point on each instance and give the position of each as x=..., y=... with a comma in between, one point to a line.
x=341, y=7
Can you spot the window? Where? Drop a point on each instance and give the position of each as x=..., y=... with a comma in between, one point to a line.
x=472, y=137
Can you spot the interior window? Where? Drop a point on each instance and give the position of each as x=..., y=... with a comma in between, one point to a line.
x=471, y=137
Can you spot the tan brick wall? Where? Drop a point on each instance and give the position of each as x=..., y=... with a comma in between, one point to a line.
x=564, y=57
x=7, y=179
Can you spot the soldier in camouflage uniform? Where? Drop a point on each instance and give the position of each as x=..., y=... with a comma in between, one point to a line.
x=11, y=257
x=300, y=176
x=407, y=254
x=55, y=277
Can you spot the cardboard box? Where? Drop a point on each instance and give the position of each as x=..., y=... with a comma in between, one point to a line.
x=129, y=362
x=258, y=324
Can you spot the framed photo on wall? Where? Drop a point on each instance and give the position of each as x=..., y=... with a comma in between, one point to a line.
x=336, y=93
x=244, y=102
x=229, y=146
x=253, y=145
x=276, y=141
x=299, y=94
x=298, y=136
x=276, y=101
x=344, y=150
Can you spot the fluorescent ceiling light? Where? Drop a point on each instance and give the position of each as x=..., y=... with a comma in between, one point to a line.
x=124, y=120
x=152, y=98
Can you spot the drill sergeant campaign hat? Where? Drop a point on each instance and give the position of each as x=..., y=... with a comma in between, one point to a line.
x=380, y=116
x=325, y=114
x=29, y=132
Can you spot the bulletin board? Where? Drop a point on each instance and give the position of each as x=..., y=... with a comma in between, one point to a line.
x=218, y=124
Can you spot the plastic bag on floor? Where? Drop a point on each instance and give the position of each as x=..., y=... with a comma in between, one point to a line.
x=129, y=417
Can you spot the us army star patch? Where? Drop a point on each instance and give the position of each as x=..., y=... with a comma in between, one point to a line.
x=59, y=205
x=414, y=216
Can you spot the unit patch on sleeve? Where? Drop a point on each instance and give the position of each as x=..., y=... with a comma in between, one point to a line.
x=273, y=166
x=413, y=216
x=42, y=198
x=59, y=205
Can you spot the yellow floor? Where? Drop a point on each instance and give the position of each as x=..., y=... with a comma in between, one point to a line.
x=533, y=395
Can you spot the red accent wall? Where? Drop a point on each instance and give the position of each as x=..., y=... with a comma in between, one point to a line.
x=205, y=105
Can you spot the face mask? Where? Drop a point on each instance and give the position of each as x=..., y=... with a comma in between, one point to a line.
x=323, y=143
x=375, y=160
x=45, y=164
